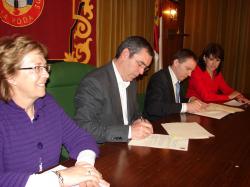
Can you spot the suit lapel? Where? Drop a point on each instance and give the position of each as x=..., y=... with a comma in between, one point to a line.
x=115, y=95
x=170, y=84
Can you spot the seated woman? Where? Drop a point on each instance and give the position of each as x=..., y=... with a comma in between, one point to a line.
x=207, y=83
x=33, y=127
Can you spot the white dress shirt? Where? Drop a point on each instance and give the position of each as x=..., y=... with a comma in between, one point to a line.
x=122, y=85
x=174, y=81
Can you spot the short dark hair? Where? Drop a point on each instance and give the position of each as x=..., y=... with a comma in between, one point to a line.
x=183, y=54
x=134, y=44
x=212, y=49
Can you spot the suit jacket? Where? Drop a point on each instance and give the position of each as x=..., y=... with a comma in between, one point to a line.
x=98, y=106
x=160, y=97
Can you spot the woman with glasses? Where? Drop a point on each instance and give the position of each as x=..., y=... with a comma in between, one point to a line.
x=207, y=82
x=33, y=127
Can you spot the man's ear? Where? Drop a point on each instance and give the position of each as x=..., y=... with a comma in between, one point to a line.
x=204, y=58
x=125, y=53
x=175, y=62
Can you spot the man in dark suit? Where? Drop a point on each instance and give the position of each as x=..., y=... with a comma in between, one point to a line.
x=165, y=94
x=106, y=102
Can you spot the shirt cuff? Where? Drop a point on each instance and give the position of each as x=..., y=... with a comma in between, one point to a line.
x=183, y=107
x=129, y=132
x=87, y=156
x=48, y=179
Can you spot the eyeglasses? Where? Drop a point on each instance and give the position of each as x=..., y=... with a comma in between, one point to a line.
x=141, y=64
x=38, y=69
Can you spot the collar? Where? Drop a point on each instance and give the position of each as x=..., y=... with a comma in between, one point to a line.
x=173, y=76
x=124, y=84
x=38, y=104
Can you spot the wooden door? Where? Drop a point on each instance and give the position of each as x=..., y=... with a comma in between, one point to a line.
x=173, y=28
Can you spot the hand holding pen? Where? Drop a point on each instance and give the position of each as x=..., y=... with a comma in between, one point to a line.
x=141, y=128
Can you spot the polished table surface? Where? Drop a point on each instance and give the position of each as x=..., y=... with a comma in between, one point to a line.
x=223, y=160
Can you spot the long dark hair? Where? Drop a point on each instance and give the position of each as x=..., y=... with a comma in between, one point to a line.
x=212, y=49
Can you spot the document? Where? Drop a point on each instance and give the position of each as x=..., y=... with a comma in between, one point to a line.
x=218, y=111
x=162, y=141
x=61, y=167
x=234, y=103
x=214, y=107
x=212, y=114
x=186, y=130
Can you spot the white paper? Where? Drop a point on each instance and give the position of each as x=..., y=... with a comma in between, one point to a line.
x=162, y=141
x=218, y=107
x=61, y=167
x=57, y=168
x=186, y=130
x=218, y=111
x=234, y=103
x=213, y=114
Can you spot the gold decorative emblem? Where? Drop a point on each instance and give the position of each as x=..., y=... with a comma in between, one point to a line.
x=80, y=33
x=20, y=13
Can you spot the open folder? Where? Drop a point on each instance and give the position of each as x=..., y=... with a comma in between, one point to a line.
x=187, y=130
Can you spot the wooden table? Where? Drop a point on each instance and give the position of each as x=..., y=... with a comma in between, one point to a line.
x=220, y=161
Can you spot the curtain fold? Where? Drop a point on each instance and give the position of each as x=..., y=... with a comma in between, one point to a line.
x=228, y=23
x=118, y=19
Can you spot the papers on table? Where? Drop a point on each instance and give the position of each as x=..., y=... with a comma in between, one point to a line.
x=61, y=167
x=57, y=168
x=179, y=135
x=212, y=114
x=234, y=103
x=187, y=130
x=162, y=141
x=218, y=111
x=213, y=106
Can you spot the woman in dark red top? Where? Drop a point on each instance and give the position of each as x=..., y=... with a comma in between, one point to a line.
x=207, y=83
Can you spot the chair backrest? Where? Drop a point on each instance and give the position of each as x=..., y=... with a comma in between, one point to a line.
x=63, y=82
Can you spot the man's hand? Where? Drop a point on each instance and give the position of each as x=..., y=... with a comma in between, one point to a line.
x=195, y=105
x=141, y=128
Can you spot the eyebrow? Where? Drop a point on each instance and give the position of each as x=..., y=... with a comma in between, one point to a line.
x=143, y=63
